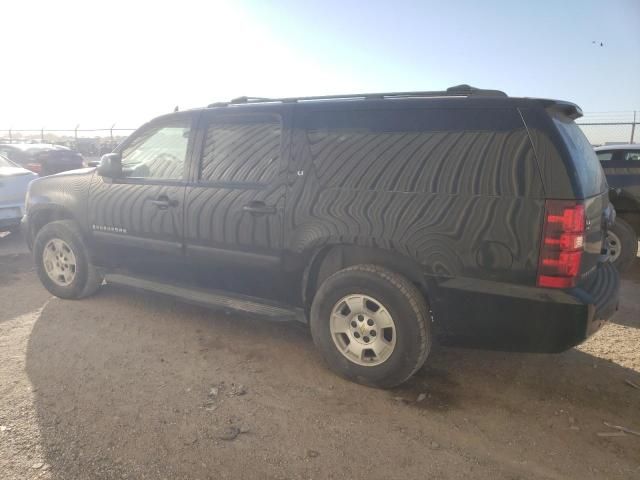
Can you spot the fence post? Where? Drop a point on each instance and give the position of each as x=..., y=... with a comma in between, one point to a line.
x=633, y=127
x=111, y=132
x=42, y=135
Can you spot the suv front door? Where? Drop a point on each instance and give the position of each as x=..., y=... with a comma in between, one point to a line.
x=138, y=220
x=234, y=207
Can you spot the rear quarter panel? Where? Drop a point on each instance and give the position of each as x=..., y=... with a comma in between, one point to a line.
x=472, y=204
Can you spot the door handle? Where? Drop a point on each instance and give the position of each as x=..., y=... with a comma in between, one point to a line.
x=163, y=202
x=259, y=208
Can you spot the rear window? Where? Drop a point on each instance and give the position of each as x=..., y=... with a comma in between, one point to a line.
x=588, y=168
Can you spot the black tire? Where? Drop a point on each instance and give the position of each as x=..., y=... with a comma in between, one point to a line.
x=87, y=280
x=406, y=305
x=626, y=240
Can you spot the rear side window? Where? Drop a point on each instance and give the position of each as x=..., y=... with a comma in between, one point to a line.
x=604, y=156
x=241, y=149
x=469, y=151
x=586, y=164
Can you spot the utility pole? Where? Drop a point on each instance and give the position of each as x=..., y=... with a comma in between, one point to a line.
x=633, y=127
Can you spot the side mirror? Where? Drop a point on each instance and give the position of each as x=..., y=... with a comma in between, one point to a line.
x=110, y=165
x=93, y=163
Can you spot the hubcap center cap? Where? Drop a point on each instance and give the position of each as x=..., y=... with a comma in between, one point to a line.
x=363, y=329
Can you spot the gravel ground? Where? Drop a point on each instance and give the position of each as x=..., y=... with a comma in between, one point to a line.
x=129, y=385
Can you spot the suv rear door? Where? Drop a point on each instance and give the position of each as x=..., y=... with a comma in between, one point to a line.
x=235, y=202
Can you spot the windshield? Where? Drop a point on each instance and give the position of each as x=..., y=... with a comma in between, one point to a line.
x=585, y=161
x=4, y=162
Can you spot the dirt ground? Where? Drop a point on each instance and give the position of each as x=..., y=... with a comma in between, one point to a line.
x=129, y=385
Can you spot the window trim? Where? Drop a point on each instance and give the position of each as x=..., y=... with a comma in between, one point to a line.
x=206, y=122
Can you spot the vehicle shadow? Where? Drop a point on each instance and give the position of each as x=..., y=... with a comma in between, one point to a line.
x=123, y=383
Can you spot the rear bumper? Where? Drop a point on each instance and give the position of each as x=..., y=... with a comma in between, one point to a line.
x=527, y=319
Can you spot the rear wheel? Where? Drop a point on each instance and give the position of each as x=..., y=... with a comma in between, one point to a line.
x=62, y=261
x=371, y=325
x=623, y=244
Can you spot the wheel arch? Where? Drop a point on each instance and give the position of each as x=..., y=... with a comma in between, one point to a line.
x=329, y=259
x=44, y=214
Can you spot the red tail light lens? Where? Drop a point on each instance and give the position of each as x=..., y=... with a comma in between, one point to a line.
x=562, y=244
x=34, y=167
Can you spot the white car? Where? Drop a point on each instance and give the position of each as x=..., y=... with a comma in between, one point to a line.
x=14, y=181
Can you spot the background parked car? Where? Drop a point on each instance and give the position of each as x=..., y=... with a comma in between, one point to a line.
x=621, y=164
x=43, y=159
x=14, y=181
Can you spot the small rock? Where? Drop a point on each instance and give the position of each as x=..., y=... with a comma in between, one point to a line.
x=214, y=392
x=434, y=445
x=312, y=453
x=3, y=428
x=237, y=390
x=37, y=466
x=421, y=397
x=46, y=466
x=229, y=433
x=244, y=429
x=575, y=427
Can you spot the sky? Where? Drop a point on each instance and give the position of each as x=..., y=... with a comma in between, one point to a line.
x=99, y=63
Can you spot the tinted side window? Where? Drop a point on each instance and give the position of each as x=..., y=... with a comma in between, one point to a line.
x=158, y=152
x=241, y=148
x=470, y=151
x=632, y=156
x=604, y=156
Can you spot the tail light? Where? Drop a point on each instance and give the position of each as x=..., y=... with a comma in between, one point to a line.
x=34, y=167
x=562, y=244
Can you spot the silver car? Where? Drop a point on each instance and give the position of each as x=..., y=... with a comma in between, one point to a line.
x=14, y=181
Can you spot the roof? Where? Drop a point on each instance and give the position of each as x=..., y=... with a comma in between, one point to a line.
x=626, y=146
x=470, y=95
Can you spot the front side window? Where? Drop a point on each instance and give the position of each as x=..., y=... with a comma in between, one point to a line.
x=158, y=152
x=241, y=149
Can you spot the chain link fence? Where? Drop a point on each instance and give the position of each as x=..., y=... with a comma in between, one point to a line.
x=609, y=128
x=601, y=128
x=89, y=142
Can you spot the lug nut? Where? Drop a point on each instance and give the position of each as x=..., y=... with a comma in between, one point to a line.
x=354, y=324
x=366, y=339
x=372, y=333
x=361, y=317
x=356, y=334
x=370, y=322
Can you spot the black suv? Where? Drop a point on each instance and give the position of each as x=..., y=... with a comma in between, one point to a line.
x=621, y=165
x=383, y=219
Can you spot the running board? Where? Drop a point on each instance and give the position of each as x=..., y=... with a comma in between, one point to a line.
x=214, y=299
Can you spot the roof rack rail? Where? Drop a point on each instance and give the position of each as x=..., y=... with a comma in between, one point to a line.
x=457, y=91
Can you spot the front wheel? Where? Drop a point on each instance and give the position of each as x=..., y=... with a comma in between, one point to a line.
x=62, y=261
x=371, y=325
x=623, y=244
